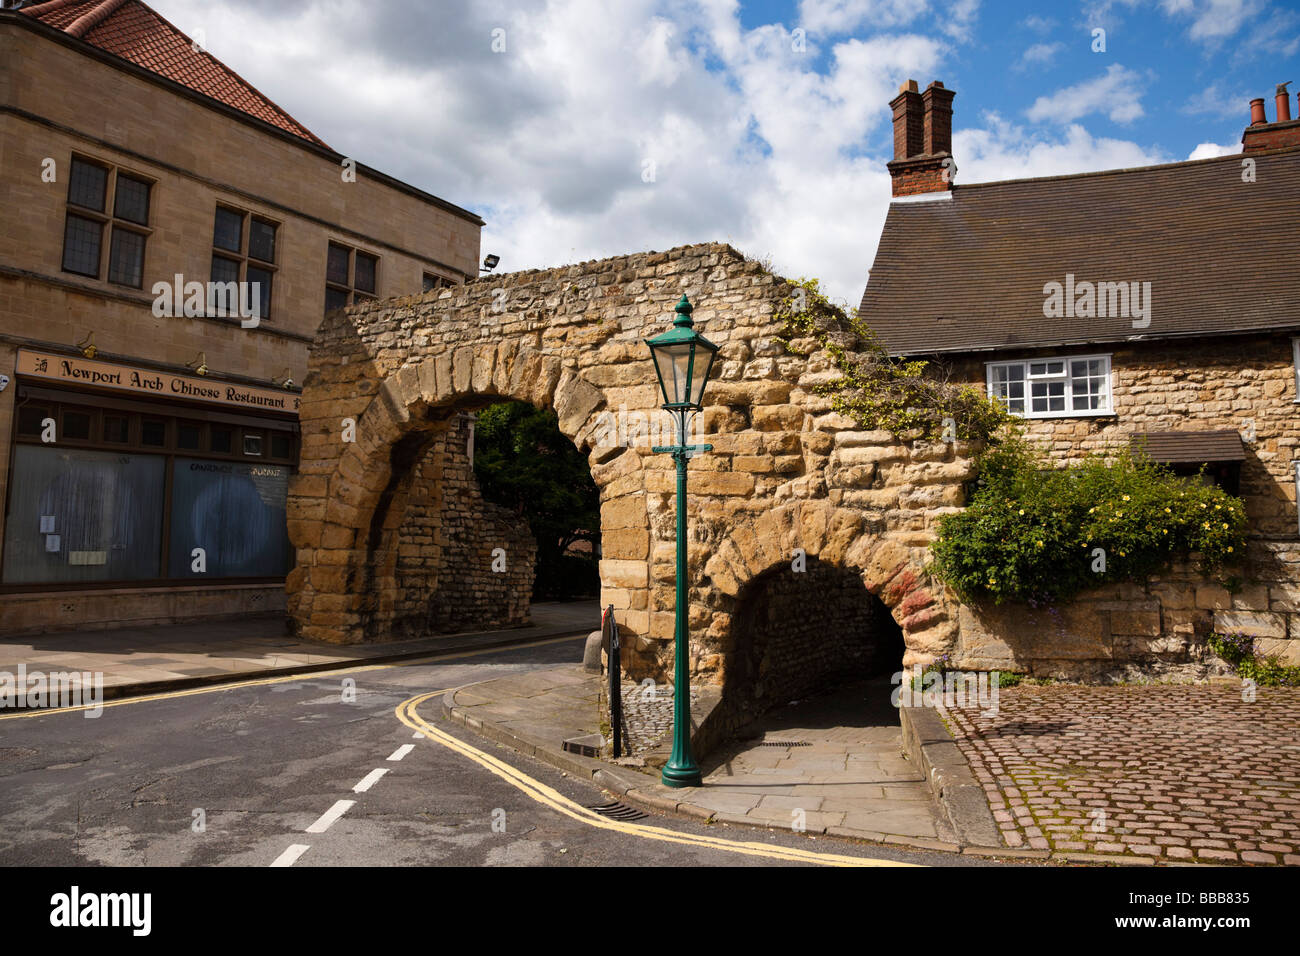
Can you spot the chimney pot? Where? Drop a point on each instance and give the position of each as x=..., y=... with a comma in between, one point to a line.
x=1282, y=133
x=922, y=139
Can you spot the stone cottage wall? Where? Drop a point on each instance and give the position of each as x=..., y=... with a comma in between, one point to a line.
x=1245, y=384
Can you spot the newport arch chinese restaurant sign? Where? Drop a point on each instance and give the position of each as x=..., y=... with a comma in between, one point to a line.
x=72, y=370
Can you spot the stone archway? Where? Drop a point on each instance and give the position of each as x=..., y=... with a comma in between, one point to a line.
x=348, y=585
x=802, y=628
x=786, y=470
x=889, y=566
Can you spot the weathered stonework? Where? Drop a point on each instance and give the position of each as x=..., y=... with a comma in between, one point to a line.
x=447, y=528
x=786, y=475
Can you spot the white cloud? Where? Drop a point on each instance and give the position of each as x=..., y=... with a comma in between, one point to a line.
x=1116, y=94
x=1003, y=150
x=838, y=17
x=1214, y=101
x=1040, y=54
x=1213, y=20
x=960, y=19
x=751, y=144
x=1210, y=150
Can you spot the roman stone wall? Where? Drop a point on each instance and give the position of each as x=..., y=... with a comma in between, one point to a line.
x=786, y=474
x=448, y=578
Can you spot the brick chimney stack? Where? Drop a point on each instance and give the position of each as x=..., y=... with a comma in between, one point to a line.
x=1283, y=131
x=922, y=140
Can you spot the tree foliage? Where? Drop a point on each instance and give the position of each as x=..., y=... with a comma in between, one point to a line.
x=524, y=462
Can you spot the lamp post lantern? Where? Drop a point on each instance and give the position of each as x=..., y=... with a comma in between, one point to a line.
x=683, y=359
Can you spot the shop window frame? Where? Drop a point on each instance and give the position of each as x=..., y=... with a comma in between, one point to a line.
x=99, y=405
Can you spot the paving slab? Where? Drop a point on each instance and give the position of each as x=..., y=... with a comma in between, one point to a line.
x=748, y=783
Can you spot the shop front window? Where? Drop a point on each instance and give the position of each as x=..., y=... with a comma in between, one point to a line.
x=124, y=494
x=83, y=516
x=234, y=512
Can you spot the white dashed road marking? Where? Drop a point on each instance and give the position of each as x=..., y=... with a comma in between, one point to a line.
x=288, y=857
x=330, y=815
x=369, y=780
x=401, y=751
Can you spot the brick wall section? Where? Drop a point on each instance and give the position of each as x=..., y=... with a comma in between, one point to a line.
x=445, y=579
x=1272, y=136
x=912, y=177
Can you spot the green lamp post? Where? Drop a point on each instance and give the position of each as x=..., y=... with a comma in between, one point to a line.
x=683, y=359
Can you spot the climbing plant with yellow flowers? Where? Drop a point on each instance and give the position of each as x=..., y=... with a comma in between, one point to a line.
x=1037, y=534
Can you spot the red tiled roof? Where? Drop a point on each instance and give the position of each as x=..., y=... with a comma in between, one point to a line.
x=135, y=32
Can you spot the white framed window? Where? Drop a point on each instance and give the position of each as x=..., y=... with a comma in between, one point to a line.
x=1056, y=387
x=1295, y=362
x=1295, y=467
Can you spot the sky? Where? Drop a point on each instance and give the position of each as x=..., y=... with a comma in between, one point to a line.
x=580, y=129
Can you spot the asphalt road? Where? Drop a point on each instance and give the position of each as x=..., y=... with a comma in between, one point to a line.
x=238, y=775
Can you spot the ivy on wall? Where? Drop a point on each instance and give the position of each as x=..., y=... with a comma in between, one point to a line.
x=1031, y=532
x=876, y=389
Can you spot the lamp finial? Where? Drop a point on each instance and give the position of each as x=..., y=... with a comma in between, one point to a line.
x=684, y=310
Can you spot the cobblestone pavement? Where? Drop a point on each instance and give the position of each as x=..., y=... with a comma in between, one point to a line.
x=648, y=715
x=1168, y=772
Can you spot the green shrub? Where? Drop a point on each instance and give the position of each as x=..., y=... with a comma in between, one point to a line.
x=1031, y=533
x=1239, y=651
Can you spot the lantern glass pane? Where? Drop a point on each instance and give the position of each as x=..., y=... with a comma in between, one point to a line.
x=703, y=364
x=672, y=362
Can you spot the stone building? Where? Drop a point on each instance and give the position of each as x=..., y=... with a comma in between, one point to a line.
x=1154, y=306
x=144, y=416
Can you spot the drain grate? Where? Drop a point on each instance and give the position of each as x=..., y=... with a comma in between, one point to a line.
x=784, y=743
x=16, y=753
x=619, y=811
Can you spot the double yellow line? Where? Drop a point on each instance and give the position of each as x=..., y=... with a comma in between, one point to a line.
x=408, y=714
x=296, y=677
